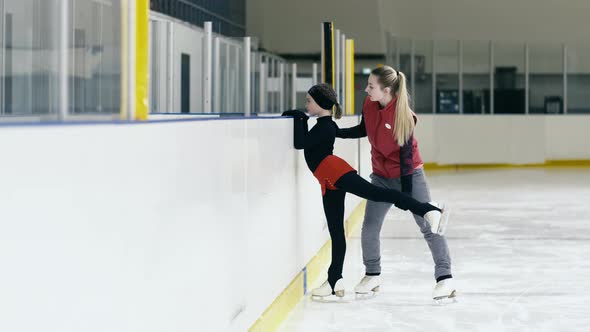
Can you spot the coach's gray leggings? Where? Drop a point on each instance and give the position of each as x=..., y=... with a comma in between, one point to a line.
x=375, y=214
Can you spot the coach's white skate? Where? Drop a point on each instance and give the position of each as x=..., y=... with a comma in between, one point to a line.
x=444, y=292
x=326, y=290
x=369, y=284
x=438, y=220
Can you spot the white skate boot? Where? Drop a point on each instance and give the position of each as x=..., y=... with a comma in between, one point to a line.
x=444, y=292
x=368, y=284
x=438, y=221
x=326, y=290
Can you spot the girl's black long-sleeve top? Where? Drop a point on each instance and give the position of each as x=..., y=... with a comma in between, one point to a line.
x=358, y=131
x=317, y=143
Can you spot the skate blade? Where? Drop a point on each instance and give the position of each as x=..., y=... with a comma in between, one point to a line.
x=320, y=298
x=372, y=291
x=367, y=295
x=337, y=294
x=443, y=300
x=328, y=298
x=444, y=220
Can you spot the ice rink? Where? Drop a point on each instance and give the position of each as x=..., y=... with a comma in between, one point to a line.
x=520, y=244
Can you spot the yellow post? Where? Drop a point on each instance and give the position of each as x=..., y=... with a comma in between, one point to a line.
x=349, y=76
x=139, y=50
x=142, y=60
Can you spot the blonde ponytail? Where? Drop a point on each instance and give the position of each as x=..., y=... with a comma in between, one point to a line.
x=404, y=118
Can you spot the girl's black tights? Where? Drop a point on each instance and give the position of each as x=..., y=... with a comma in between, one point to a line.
x=354, y=184
x=334, y=209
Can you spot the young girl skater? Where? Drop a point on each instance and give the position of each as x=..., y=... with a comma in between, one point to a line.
x=337, y=177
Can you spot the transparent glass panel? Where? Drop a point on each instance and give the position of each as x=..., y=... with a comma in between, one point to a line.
x=405, y=51
x=578, y=79
x=422, y=94
x=476, y=76
x=29, y=54
x=447, y=76
x=545, y=78
x=95, y=68
x=509, y=80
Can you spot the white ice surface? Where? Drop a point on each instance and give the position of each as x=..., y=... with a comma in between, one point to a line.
x=520, y=245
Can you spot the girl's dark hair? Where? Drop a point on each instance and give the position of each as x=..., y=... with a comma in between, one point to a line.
x=326, y=92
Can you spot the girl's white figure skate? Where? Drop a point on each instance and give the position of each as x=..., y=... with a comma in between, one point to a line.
x=438, y=220
x=326, y=290
x=444, y=292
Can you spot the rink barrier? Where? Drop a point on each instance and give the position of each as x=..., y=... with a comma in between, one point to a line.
x=548, y=163
x=281, y=307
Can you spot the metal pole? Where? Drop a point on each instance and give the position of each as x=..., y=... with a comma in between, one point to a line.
x=526, y=78
x=207, y=67
x=434, y=77
x=227, y=99
x=253, y=69
x=337, y=61
x=236, y=99
x=64, y=60
x=323, y=52
x=314, y=74
x=388, y=48
x=100, y=59
x=342, y=92
x=460, y=65
x=3, y=55
x=397, y=54
x=170, y=70
x=247, y=76
x=262, y=91
x=491, y=77
x=281, y=87
x=294, y=85
x=216, y=75
x=412, y=68
x=131, y=61
x=272, y=75
x=564, y=59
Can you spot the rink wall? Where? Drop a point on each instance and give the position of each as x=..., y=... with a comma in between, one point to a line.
x=195, y=225
x=510, y=140
x=165, y=226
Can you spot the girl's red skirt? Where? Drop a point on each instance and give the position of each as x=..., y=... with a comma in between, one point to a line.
x=330, y=170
